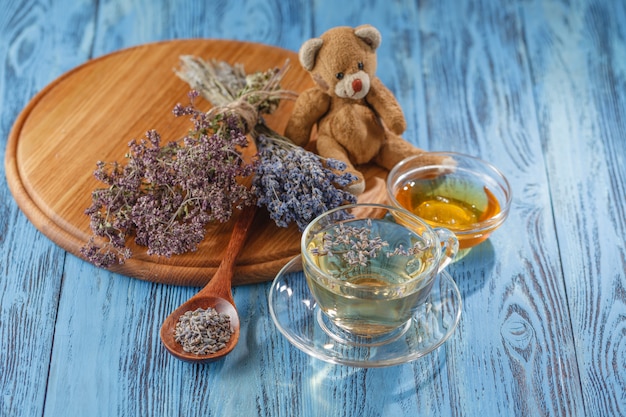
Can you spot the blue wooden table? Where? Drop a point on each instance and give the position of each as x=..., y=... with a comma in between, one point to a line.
x=536, y=87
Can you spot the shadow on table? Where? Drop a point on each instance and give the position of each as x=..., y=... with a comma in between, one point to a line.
x=376, y=391
x=474, y=270
x=263, y=354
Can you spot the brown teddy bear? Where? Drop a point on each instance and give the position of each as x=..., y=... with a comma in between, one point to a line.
x=358, y=119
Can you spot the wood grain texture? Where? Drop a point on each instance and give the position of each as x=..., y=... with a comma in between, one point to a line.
x=580, y=76
x=34, y=50
x=535, y=87
x=480, y=101
x=90, y=114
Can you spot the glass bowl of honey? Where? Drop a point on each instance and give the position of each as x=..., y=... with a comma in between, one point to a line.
x=461, y=193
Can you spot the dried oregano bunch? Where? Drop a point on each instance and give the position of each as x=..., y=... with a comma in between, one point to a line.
x=166, y=194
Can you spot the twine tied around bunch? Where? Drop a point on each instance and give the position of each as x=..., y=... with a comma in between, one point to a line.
x=231, y=91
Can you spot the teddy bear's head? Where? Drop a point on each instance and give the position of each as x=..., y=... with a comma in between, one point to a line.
x=342, y=61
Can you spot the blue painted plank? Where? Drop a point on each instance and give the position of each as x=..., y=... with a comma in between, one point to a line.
x=579, y=56
x=36, y=46
x=273, y=22
x=502, y=81
x=515, y=331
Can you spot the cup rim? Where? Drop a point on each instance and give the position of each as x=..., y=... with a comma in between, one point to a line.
x=430, y=272
x=501, y=181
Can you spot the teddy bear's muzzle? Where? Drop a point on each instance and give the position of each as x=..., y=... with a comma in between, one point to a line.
x=354, y=86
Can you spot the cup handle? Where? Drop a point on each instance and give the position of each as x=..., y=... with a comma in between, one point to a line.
x=449, y=247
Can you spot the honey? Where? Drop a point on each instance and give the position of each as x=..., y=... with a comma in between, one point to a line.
x=456, y=204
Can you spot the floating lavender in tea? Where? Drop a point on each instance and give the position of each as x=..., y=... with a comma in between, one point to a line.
x=203, y=332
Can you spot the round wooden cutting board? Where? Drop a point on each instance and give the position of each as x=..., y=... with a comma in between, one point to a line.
x=93, y=111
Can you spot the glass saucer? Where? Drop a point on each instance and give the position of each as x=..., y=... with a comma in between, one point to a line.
x=300, y=320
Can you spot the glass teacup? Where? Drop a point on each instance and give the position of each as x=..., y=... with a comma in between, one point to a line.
x=370, y=266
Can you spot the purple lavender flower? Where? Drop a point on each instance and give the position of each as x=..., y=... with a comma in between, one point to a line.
x=355, y=244
x=166, y=195
x=294, y=185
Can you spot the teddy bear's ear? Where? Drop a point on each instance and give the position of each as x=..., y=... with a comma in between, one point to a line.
x=370, y=35
x=308, y=52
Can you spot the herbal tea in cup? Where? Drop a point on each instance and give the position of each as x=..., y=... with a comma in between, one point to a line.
x=370, y=266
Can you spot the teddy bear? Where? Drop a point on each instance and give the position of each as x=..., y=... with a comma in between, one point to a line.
x=358, y=119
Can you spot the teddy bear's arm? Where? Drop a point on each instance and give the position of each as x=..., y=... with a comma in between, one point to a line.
x=385, y=104
x=310, y=106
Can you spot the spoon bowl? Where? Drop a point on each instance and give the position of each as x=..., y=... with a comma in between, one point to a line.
x=216, y=294
x=222, y=306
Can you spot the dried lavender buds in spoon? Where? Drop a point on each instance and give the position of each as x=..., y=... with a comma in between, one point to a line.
x=203, y=331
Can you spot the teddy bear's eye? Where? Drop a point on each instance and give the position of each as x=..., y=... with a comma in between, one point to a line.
x=360, y=66
x=339, y=75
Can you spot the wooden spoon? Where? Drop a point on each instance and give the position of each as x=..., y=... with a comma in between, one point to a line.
x=217, y=294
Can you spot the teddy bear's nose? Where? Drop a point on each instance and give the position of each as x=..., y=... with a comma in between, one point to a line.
x=357, y=85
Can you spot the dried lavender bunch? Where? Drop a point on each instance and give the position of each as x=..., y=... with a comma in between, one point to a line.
x=295, y=185
x=166, y=195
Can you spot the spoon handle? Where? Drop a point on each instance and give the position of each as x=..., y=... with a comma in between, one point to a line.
x=220, y=283
x=238, y=236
